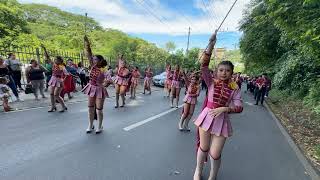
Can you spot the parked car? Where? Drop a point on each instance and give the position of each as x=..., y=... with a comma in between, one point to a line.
x=159, y=80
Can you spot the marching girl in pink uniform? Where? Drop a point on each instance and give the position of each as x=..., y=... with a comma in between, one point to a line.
x=59, y=72
x=190, y=101
x=176, y=85
x=214, y=125
x=134, y=81
x=96, y=91
x=147, y=80
x=121, y=82
x=168, y=82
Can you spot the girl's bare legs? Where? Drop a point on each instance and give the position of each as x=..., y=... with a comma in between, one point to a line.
x=91, y=106
x=186, y=121
x=122, y=94
x=131, y=91
x=134, y=91
x=202, y=153
x=186, y=109
x=117, y=95
x=217, y=144
x=177, y=96
x=99, y=109
x=173, y=91
x=57, y=96
x=52, y=99
x=149, y=87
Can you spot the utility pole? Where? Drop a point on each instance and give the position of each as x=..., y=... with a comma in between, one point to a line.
x=85, y=24
x=188, y=41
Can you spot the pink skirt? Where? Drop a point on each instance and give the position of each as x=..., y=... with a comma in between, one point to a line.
x=147, y=81
x=121, y=81
x=176, y=84
x=190, y=100
x=219, y=126
x=55, y=82
x=95, y=91
x=168, y=82
x=134, y=81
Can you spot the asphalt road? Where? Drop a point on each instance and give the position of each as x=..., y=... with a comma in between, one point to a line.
x=37, y=145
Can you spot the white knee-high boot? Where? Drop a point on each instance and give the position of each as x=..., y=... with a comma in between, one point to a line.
x=100, y=120
x=186, y=122
x=214, y=169
x=201, y=157
x=91, y=118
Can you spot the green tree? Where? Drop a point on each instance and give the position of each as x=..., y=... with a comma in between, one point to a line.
x=11, y=21
x=170, y=46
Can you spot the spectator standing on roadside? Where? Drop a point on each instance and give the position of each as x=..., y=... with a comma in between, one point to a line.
x=48, y=65
x=5, y=72
x=15, y=67
x=35, y=76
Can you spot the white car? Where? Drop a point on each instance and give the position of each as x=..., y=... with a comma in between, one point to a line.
x=159, y=80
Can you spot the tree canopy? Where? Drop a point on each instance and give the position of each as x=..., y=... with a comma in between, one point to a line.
x=282, y=38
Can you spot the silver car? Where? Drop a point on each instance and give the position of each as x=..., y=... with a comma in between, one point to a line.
x=160, y=79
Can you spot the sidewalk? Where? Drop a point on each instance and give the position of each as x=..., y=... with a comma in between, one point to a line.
x=30, y=103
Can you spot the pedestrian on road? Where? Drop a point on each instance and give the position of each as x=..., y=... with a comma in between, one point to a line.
x=4, y=94
x=82, y=75
x=147, y=80
x=96, y=91
x=224, y=97
x=15, y=66
x=35, y=77
x=5, y=72
x=134, y=81
x=190, y=101
x=48, y=65
x=59, y=72
x=168, y=81
x=121, y=81
x=260, y=89
x=176, y=85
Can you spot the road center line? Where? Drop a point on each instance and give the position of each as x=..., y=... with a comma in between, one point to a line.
x=140, y=123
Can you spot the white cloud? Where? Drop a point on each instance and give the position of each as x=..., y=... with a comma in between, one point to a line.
x=136, y=19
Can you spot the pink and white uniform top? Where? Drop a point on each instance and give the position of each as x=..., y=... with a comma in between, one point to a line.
x=95, y=87
x=58, y=73
x=122, y=78
x=176, y=79
x=148, y=75
x=220, y=94
x=168, y=77
x=192, y=94
x=135, y=77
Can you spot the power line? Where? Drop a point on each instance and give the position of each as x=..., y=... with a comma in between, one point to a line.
x=212, y=12
x=206, y=9
x=221, y=24
x=153, y=14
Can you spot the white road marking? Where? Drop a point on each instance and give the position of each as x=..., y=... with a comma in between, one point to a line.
x=140, y=123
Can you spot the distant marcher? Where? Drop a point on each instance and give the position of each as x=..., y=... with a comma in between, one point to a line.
x=35, y=76
x=59, y=72
x=261, y=89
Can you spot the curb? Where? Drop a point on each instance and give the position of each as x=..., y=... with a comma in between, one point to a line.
x=310, y=170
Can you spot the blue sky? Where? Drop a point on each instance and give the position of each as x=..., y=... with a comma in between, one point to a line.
x=160, y=21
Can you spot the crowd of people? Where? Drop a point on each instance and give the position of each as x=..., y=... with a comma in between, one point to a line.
x=223, y=93
x=259, y=86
